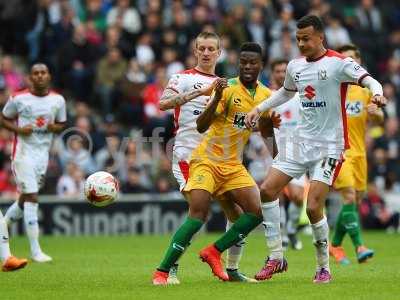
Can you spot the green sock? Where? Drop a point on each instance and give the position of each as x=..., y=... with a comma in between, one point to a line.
x=179, y=242
x=352, y=223
x=239, y=230
x=340, y=230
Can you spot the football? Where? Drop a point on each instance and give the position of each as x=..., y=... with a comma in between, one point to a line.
x=101, y=189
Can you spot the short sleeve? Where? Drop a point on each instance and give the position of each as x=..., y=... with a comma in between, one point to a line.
x=351, y=71
x=10, y=110
x=176, y=83
x=61, y=115
x=289, y=84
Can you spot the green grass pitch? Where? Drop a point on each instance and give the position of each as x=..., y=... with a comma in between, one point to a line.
x=121, y=268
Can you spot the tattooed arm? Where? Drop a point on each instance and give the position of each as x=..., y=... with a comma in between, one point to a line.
x=171, y=99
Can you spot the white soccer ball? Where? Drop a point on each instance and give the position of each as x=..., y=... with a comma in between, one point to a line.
x=101, y=189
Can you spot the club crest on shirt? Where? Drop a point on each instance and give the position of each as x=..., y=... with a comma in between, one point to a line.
x=322, y=75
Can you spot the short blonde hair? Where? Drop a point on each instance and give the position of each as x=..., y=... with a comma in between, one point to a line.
x=209, y=35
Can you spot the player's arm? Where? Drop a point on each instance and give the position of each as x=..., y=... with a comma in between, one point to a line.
x=171, y=98
x=353, y=72
x=56, y=127
x=209, y=114
x=266, y=127
x=10, y=124
x=281, y=96
x=376, y=89
x=60, y=121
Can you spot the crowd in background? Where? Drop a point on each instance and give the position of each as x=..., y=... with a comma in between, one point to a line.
x=112, y=59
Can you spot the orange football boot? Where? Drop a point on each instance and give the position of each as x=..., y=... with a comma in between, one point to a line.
x=12, y=263
x=212, y=257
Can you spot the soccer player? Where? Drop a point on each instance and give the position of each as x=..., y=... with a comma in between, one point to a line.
x=9, y=262
x=294, y=191
x=34, y=115
x=320, y=77
x=216, y=167
x=188, y=93
x=352, y=179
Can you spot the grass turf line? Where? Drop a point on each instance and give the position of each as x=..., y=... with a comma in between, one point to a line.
x=121, y=268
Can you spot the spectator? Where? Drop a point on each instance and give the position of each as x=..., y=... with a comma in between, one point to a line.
x=13, y=80
x=75, y=152
x=111, y=151
x=92, y=13
x=336, y=35
x=76, y=62
x=133, y=184
x=375, y=215
x=71, y=183
x=284, y=47
x=256, y=27
x=110, y=70
x=125, y=17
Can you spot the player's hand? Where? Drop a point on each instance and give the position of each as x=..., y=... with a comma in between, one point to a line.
x=379, y=100
x=372, y=109
x=207, y=90
x=252, y=118
x=220, y=85
x=276, y=119
x=51, y=127
x=26, y=130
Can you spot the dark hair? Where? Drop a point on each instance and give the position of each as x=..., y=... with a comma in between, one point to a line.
x=311, y=20
x=349, y=47
x=209, y=35
x=277, y=62
x=251, y=47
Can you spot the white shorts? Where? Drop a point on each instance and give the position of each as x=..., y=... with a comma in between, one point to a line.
x=299, y=181
x=298, y=160
x=180, y=166
x=29, y=175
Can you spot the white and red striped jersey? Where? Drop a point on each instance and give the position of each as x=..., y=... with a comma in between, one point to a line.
x=322, y=86
x=186, y=134
x=38, y=111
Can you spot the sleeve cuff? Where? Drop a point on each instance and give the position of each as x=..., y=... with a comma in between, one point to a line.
x=362, y=77
x=290, y=90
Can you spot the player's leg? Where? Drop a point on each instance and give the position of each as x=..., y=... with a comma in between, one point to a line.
x=275, y=263
x=344, y=183
x=248, y=198
x=282, y=206
x=234, y=254
x=296, y=196
x=15, y=212
x=9, y=262
x=29, y=177
x=198, y=209
x=322, y=175
x=31, y=222
x=180, y=169
x=200, y=186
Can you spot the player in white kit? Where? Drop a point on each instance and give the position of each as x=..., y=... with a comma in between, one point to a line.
x=188, y=93
x=320, y=77
x=34, y=115
x=294, y=191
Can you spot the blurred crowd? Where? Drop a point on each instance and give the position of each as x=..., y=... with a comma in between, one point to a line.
x=111, y=60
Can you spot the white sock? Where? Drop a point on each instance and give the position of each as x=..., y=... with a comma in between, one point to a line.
x=320, y=232
x=294, y=213
x=13, y=213
x=32, y=226
x=234, y=253
x=4, y=244
x=271, y=215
